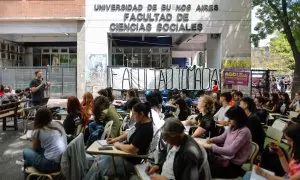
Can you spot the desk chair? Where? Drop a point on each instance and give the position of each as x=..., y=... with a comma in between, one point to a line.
x=33, y=172
x=252, y=157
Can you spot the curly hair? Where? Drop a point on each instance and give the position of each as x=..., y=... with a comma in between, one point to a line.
x=208, y=104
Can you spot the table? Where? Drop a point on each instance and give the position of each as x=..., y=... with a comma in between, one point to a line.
x=94, y=150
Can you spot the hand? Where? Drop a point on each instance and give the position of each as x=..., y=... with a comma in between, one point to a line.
x=110, y=141
x=158, y=177
x=208, y=141
x=259, y=171
x=117, y=145
x=152, y=169
x=205, y=145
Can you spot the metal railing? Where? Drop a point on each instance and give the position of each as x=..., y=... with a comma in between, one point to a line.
x=63, y=79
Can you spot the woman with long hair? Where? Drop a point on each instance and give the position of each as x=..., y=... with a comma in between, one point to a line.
x=75, y=117
x=48, y=143
x=205, y=119
x=232, y=149
x=286, y=101
x=182, y=110
x=273, y=106
x=136, y=143
x=87, y=103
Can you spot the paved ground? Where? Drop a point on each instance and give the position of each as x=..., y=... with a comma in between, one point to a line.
x=11, y=149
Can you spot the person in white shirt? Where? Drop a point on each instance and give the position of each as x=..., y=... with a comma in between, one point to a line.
x=220, y=117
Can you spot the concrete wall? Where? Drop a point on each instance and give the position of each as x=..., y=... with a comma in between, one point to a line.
x=232, y=21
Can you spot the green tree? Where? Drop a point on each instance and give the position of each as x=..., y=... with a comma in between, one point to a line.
x=283, y=16
x=281, y=54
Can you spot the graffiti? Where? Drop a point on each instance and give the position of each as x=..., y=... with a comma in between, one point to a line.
x=95, y=71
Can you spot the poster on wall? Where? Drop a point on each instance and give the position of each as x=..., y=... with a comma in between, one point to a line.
x=95, y=70
x=236, y=77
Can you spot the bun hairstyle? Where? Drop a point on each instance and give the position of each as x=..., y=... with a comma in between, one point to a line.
x=143, y=108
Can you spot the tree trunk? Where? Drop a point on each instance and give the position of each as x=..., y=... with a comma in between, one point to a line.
x=296, y=79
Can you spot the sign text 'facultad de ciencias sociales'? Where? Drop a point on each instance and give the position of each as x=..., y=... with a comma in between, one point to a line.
x=137, y=20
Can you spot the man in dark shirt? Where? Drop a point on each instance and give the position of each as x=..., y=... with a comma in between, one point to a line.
x=37, y=87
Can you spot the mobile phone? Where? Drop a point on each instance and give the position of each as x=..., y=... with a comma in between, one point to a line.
x=105, y=148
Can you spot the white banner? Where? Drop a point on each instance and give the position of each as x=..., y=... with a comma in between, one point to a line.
x=174, y=78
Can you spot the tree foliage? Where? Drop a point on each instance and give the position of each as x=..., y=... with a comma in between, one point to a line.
x=283, y=16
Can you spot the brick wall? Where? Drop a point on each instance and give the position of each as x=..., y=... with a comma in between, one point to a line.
x=41, y=8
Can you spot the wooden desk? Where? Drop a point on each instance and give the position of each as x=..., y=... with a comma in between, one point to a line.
x=94, y=150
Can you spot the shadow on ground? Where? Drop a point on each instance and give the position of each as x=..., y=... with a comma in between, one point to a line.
x=11, y=149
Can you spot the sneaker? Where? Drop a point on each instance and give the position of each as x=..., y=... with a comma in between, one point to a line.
x=20, y=162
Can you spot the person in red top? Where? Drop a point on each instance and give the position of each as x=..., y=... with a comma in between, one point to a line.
x=291, y=167
x=1, y=90
x=215, y=87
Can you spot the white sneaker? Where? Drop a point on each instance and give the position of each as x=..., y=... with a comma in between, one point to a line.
x=20, y=162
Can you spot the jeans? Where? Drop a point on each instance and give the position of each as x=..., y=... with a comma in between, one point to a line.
x=247, y=176
x=104, y=167
x=39, y=162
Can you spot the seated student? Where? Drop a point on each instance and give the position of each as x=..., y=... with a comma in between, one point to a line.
x=137, y=143
x=205, y=119
x=273, y=106
x=110, y=95
x=184, y=95
x=253, y=123
x=75, y=117
x=129, y=122
x=220, y=117
x=237, y=97
x=8, y=96
x=87, y=104
x=261, y=113
x=155, y=101
x=291, y=167
x=285, y=103
x=96, y=127
x=1, y=90
x=181, y=158
x=48, y=143
x=231, y=149
x=182, y=110
x=130, y=95
x=295, y=105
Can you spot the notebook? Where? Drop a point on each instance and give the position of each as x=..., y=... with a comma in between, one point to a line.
x=103, y=143
x=141, y=170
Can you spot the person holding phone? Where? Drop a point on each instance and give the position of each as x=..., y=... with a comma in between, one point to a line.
x=291, y=167
x=135, y=142
x=37, y=87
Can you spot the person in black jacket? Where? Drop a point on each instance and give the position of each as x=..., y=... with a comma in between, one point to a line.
x=253, y=123
x=181, y=159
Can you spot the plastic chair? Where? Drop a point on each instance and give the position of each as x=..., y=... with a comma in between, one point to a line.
x=107, y=130
x=33, y=172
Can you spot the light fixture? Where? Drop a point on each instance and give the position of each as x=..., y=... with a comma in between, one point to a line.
x=67, y=34
x=162, y=36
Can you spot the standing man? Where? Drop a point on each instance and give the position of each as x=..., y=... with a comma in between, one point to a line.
x=37, y=87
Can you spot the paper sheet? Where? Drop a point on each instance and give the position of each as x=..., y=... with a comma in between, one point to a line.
x=255, y=176
x=141, y=168
x=103, y=143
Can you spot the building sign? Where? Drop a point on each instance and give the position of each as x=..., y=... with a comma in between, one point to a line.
x=232, y=77
x=168, y=18
x=192, y=78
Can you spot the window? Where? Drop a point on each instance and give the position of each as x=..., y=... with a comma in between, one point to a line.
x=55, y=56
x=157, y=57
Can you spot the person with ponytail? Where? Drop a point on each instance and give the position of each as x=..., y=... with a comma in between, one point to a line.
x=48, y=143
x=138, y=143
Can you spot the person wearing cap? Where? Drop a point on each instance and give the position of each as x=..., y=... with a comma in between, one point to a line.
x=181, y=158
